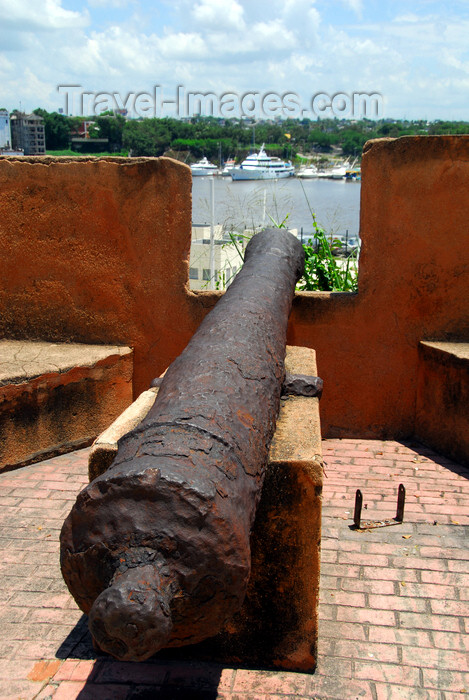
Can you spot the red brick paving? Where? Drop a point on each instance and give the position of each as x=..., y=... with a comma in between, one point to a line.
x=394, y=611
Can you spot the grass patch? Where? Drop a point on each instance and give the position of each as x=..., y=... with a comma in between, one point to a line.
x=74, y=154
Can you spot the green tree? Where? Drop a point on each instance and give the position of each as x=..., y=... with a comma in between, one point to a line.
x=352, y=142
x=111, y=127
x=57, y=129
x=148, y=137
x=320, y=139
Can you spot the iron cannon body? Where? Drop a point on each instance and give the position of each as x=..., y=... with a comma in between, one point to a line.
x=156, y=550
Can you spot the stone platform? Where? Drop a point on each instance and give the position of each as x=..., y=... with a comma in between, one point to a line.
x=442, y=410
x=393, y=611
x=56, y=397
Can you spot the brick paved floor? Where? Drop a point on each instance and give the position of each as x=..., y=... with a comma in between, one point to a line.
x=394, y=612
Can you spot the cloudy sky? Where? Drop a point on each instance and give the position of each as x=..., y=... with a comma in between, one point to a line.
x=415, y=54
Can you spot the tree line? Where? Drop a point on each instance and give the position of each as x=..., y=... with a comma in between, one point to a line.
x=220, y=139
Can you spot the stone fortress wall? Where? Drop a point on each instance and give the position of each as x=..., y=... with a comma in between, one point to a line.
x=97, y=251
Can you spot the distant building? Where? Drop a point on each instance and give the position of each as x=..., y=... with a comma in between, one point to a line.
x=5, y=133
x=83, y=129
x=82, y=142
x=28, y=134
x=227, y=260
x=228, y=255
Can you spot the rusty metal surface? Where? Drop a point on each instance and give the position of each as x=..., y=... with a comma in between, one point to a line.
x=302, y=385
x=359, y=524
x=400, y=504
x=156, y=549
x=357, y=513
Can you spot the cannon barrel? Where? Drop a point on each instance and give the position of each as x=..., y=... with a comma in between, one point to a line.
x=156, y=550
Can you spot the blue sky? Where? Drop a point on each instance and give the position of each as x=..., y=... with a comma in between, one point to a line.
x=415, y=54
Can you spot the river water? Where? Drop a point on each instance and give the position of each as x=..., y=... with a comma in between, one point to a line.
x=247, y=204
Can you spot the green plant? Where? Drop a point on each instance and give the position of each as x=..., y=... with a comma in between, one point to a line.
x=279, y=224
x=323, y=270
x=239, y=241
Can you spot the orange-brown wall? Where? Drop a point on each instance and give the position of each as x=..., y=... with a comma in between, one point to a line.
x=413, y=285
x=97, y=251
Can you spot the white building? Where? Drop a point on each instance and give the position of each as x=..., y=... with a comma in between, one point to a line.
x=228, y=255
x=5, y=132
x=227, y=259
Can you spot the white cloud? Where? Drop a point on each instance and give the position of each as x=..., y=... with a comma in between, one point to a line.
x=272, y=36
x=6, y=67
x=449, y=59
x=182, y=46
x=265, y=42
x=109, y=3
x=407, y=17
x=219, y=14
x=305, y=63
x=355, y=5
x=28, y=90
x=40, y=15
x=301, y=46
x=297, y=7
x=314, y=17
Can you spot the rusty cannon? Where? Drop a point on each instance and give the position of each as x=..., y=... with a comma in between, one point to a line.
x=156, y=549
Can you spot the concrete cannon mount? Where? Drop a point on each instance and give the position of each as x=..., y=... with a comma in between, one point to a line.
x=277, y=625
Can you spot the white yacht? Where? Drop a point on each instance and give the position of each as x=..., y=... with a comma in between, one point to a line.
x=338, y=171
x=308, y=172
x=260, y=166
x=203, y=167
